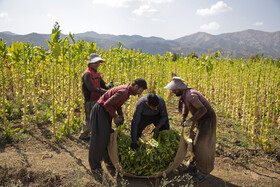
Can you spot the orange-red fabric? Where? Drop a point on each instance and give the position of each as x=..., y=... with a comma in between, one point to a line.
x=95, y=78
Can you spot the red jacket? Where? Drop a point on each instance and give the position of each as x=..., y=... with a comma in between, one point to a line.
x=92, y=92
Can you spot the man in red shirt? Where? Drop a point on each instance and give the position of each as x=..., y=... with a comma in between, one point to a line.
x=108, y=108
x=92, y=88
x=203, y=127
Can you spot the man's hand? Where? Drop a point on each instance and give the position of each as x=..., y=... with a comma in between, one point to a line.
x=187, y=123
x=134, y=145
x=119, y=120
x=156, y=132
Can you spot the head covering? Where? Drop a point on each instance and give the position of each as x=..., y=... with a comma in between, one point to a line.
x=176, y=83
x=93, y=58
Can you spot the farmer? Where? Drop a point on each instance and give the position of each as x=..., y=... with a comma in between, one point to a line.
x=92, y=89
x=149, y=109
x=101, y=120
x=203, y=127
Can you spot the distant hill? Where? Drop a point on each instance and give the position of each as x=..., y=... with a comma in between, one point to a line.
x=237, y=44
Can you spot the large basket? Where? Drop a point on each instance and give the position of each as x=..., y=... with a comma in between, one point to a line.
x=113, y=153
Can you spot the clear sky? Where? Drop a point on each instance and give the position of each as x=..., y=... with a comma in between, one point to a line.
x=169, y=19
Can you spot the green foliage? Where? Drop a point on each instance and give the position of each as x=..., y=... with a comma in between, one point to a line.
x=246, y=90
x=175, y=57
x=7, y=134
x=151, y=157
x=12, y=112
x=74, y=127
x=3, y=49
x=192, y=55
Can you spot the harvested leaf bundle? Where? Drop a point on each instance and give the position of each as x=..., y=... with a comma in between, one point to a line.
x=151, y=157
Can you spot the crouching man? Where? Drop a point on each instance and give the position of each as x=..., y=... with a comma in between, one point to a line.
x=150, y=109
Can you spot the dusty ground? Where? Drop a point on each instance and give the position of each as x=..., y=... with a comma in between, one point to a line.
x=37, y=160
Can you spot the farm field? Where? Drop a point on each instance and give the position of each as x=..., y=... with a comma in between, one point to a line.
x=36, y=160
x=41, y=111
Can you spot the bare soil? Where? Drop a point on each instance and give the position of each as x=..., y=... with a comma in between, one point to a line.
x=37, y=160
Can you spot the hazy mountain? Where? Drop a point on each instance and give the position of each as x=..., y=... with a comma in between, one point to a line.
x=195, y=38
x=237, y=44
x=8, y=32
x=37, y=39
x=256, y=41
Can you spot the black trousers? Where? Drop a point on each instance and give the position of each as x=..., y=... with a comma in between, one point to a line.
x=101, y=124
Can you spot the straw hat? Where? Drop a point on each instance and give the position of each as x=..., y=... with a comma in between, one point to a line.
x=176, y=83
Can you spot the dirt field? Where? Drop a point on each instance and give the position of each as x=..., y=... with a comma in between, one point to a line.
x=37, y=160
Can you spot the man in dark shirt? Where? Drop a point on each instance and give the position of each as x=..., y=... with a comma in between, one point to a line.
x=149, y=109
x=203, y=127
x=108, y=108
x=92, y=88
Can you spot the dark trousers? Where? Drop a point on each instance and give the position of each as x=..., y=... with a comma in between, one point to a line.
x=147, y=120
x=101, y=124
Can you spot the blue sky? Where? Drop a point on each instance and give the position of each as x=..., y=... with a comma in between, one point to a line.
x=169, y=19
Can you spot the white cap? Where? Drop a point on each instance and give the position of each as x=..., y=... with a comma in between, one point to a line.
x=176, y=83
x=93, y=58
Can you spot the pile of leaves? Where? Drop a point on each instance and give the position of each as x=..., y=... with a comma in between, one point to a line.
x=152, y=157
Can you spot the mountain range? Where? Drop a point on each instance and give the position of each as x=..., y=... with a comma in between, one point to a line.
x=237, y=44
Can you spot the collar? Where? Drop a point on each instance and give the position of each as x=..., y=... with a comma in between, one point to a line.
x=129, y=89
x=92, y=69
x=184, y=92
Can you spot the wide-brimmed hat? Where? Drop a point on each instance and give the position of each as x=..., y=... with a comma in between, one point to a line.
x=176, y=83
x=93, y=58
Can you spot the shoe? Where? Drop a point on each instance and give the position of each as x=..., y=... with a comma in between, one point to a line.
x=97, y=174
x=190, y=170
x=84, y=138
x=197, y=178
